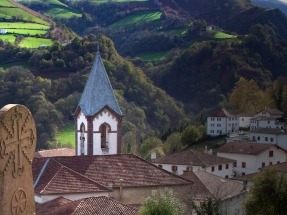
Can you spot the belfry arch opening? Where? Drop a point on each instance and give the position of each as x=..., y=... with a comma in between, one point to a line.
x=82, y=139
x=105, y=130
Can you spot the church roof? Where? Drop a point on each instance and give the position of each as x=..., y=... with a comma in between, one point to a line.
x=98, y=91
x=106, y=170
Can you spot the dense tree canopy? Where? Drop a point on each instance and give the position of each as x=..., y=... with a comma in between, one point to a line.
x=268, y=194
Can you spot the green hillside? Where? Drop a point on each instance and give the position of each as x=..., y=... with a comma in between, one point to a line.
x=22, y=26
x=136, y=18
x=53, y=8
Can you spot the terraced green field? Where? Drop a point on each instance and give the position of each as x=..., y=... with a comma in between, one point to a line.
x=105, y=1
x=6, y=4
x=33, y=42
x=7, y=12
x=222, y=35
x=57, y=9
x=8, y=38
x=139, y=17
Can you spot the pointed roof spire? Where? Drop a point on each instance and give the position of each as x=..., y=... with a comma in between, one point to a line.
x=98, y=91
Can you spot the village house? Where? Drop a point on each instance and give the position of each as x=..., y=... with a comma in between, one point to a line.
x=251, y=156
x=269, y=135
x=193, y=160
x=126, y=178
x=230, y=193
x=222, y=122
x=269, y=118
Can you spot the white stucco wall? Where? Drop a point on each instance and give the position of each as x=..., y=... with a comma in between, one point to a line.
x=254, y=162
x=216, y=126
x=104, y=117
x=244, y=121
x=277, y=139
x=71, y=196
x=182, y=168
x=81, y=119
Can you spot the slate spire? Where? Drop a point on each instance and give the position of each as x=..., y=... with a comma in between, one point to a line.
x=98, y=91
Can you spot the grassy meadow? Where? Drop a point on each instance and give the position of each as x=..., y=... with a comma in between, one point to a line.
x=57, y=9
x=138, y=17
x=34, y=42
x=66, y=136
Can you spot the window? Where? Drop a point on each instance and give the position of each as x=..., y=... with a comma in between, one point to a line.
x=212, y=124
x=211, y=131
x=212, y=169
x=278, y=162
x=243, y=119
x=268, y=122
x=253, y=138
x=243, y=165
x=226, y=176
x=227, y=166
x=270, y=163
x=243, y=173
x=220, y=167
x=212, y=119
x=270, y=154
x=235, y=164
x=271, y=139
x=258, y=138
x=218, y=119
x=263, y=164
x=266, y=138
x=160, y=166
x=174, y=168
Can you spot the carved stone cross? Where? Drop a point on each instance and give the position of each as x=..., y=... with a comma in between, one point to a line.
x=17, y=146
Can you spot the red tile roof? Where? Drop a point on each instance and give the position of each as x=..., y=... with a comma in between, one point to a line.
x=192, y=157
x=88, y=206
x=58, y=179
x=52, y=206
x=249, y=148
x=110, y=171
x=221, y=113
x=55, y=152
x=214, y=185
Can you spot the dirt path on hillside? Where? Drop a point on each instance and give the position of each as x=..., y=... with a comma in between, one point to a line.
x=28, y=10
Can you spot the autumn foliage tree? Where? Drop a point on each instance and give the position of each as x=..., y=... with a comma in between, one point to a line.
x=247, y=96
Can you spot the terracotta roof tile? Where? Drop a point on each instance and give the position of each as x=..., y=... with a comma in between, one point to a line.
x=57, y=178
x=50, y=207
x=88, y=206
x=108, y=170
x=219, y=187
x=250, y=148
x=221, y=113
x=199, y=190
x=192, y=157
x=55, y=152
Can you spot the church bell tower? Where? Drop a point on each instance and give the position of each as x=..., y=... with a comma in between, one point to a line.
x=98, y=117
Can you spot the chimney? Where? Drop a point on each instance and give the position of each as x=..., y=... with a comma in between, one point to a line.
x=153, y=155
x=205, y=149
